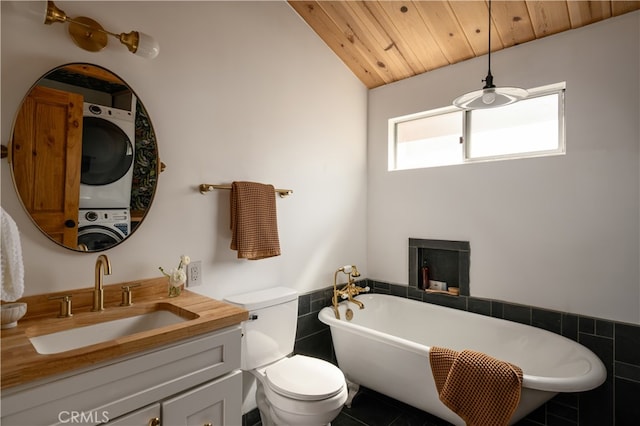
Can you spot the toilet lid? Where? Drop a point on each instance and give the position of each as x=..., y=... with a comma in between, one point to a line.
x=304, y=378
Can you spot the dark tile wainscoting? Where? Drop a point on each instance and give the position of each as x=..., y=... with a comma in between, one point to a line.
x=615, y=403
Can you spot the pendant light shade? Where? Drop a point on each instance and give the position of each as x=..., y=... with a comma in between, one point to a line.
x=490, y=96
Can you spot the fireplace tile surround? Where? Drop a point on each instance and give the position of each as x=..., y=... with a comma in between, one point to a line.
x=616, y=343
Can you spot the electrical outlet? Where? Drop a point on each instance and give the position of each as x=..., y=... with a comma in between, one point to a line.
x=194, y=273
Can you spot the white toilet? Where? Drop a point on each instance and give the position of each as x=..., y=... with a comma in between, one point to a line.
x=291, y=390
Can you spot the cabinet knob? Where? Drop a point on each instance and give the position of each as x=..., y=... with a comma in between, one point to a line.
x=154, y=422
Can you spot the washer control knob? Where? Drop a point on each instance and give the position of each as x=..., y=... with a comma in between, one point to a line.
x=95, y=109
x=91, y=216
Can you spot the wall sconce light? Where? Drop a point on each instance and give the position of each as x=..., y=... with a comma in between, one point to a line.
x=89, y=34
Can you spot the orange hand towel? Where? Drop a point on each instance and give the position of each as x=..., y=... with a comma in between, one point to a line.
x=254, y=224
x=484, y=391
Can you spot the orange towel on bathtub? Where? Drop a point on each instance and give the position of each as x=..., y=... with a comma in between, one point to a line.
x=484, y=391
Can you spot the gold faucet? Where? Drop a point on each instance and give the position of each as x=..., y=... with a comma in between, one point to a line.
x=349, y=290
x=102, y=265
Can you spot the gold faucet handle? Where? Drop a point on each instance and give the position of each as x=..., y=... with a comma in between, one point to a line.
x=126, y=294
x=65, y=305
x=365, y=289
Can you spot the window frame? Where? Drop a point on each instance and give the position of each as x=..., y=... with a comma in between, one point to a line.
x=466, y=128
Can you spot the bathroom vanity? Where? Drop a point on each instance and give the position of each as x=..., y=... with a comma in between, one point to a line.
x=182, y=373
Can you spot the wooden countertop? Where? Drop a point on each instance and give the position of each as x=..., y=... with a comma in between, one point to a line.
x=22, y=364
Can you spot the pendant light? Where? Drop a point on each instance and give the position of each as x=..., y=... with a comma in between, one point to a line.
x=490, y=96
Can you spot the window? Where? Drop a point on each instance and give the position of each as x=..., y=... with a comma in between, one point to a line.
x=530, y=128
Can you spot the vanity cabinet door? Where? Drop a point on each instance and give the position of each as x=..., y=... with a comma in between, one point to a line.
x=215, y=403
x=148, y=416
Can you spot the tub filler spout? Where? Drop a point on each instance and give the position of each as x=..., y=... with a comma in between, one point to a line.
x=349, y=290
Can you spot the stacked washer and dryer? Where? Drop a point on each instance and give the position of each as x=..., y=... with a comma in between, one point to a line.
x=108, y=148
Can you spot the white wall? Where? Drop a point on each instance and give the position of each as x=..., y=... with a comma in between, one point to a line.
x=560, y=232
x=247, y=91
x=240, y=91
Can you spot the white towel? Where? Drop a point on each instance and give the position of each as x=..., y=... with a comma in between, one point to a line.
x=11, y=265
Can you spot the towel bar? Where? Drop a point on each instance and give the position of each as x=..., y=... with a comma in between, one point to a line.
x=208, y=187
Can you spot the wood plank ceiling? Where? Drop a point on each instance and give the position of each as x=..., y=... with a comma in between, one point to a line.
x=386, y=41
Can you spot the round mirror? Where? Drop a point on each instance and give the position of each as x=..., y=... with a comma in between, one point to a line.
x=84, y=157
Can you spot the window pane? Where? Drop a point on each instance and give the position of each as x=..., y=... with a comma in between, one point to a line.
x=429, y=141
x=527, y=126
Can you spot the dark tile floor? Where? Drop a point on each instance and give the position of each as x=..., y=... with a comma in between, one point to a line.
x=370, y=408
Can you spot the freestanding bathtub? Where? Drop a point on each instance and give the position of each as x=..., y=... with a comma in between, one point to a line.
x=385, y=347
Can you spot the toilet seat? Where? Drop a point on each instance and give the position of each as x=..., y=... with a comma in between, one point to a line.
x=304, y=378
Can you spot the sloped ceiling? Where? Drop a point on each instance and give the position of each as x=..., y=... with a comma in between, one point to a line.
x=386, y=41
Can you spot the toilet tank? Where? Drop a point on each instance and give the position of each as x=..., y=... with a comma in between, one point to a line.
x=270, y=332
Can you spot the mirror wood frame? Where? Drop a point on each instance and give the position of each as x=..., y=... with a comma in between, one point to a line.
x=45, y=152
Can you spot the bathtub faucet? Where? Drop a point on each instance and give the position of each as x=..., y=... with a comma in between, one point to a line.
x=349, y=290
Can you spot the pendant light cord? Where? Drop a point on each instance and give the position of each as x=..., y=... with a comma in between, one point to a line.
x=489, y=79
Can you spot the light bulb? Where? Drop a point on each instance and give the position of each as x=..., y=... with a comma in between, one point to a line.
x=32, y=9
x=147, y=46
x=488, y=96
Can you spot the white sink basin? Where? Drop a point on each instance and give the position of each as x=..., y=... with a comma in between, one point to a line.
x=79, y=337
